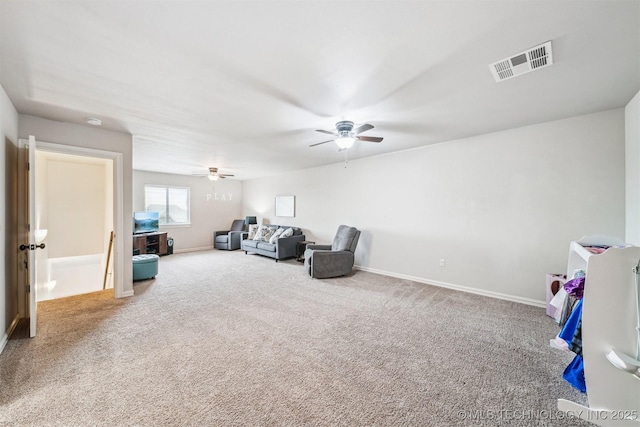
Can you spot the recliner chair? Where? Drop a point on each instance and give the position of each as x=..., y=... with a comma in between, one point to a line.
x=229, y=239
x=337, y=259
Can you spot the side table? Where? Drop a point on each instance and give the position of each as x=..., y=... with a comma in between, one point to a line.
x=300, y=248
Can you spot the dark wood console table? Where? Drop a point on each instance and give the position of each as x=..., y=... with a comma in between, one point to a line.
x=150, y=243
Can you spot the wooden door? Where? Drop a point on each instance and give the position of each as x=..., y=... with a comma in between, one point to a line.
x=26, y=228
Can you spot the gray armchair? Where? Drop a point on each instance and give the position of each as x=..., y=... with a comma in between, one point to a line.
x=229, y=239
x=324, y=261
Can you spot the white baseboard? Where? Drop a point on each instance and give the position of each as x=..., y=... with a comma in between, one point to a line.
x=5, y=337
x=498, y=295
x=204, y=248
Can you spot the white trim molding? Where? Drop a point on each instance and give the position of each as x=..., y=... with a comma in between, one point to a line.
x=202, y=248
x=5, y=337
x=498, y=295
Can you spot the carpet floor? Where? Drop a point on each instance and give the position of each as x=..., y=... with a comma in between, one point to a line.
x=226, y=339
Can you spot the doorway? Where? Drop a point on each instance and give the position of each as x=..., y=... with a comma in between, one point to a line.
x=115, y=189
x=74, y=217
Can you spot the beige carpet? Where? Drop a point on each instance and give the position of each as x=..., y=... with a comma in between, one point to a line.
x=227, y=339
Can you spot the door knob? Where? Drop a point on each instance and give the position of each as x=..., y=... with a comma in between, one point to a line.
x=32, y=247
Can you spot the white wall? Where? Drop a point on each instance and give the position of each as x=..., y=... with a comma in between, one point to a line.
x=214, y=206
x=632, y=165
x=75, y=215
x=99, y=139
x=500, y=209
x=8, y=215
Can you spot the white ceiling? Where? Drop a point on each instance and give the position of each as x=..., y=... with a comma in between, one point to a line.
x=241, y=85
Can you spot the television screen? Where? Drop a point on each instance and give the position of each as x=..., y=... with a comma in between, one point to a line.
x=146, y=222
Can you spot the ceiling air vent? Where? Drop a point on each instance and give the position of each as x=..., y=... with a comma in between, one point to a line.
x=522, y=63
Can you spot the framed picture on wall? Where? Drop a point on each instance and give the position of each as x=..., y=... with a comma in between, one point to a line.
x=285, y=206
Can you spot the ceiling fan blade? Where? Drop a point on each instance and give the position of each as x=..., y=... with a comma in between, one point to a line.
x=369, y=138
x=327, y=132
x=365, y=127
x=319, y=143
x=224, y=175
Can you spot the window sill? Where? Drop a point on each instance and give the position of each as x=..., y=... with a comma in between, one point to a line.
x=175, y=226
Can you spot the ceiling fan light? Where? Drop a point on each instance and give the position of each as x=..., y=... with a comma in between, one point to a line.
x=213, y=176
x=345, y=142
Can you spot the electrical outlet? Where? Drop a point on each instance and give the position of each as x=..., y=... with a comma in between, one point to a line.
x=442, y=263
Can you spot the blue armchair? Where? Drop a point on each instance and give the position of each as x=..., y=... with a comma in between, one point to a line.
x=229, y=239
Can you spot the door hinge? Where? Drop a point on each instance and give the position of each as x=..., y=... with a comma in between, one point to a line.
x=27, y=288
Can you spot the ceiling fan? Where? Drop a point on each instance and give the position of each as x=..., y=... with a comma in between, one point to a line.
x=345, y=135
x=213, y=174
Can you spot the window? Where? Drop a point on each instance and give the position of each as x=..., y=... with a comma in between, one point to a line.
x=171, y=202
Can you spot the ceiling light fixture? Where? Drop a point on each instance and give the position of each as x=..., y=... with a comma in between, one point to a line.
x=93, y=121
x=345, y=140
x=213, y=176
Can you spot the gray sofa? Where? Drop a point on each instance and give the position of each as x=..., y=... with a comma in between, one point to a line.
x=281, y=248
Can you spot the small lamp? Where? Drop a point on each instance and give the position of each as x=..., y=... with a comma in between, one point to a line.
x=250, y=220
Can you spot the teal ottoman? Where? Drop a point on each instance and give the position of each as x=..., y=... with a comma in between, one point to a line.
x=145, y=266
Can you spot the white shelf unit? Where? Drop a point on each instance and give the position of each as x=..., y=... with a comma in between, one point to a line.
x=608, y=322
